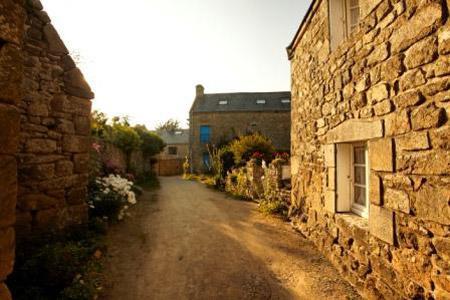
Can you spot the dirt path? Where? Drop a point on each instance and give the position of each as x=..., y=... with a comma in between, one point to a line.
x=189, y=242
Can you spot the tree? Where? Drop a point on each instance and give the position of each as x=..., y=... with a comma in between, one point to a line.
x=152, y=144
x=170, y=125
x=99, y=125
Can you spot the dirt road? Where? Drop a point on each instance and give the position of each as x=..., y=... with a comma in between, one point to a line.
x=186, y=241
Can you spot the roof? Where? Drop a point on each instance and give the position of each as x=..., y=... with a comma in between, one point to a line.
x=176, y=137
x=237, y=102
x=290, y=49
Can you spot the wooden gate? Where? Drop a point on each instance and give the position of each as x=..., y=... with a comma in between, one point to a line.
x=169, y=167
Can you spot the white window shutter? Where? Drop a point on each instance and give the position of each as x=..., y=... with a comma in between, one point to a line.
x=343, y=176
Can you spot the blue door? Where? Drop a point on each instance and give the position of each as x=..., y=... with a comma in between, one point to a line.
x=205, y=134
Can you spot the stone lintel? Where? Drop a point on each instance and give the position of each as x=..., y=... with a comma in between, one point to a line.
x=355, y=130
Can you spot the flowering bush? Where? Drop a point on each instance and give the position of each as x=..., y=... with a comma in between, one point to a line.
x=110, y=197
x=281, y=155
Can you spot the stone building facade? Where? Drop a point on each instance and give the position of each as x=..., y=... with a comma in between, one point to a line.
x=371, y=140
x=44, y=129
x=228, y=115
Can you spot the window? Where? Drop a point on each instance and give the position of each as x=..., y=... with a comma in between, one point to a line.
x=285, y=100
x=352, y=15
x=344, y=19
x=173, y=150
x=205, y=134
x=352, y=178
x=261, y=101
x=223, y=102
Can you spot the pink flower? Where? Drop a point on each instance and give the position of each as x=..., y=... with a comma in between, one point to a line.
x=97, y=147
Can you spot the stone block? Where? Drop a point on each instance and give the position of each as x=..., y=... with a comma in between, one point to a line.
x=7, y=247
x=381, y=223
x=375, y=189
x=378, y=93
x=76, y=85
x=381, y=155
x=11, y=69
x=76, y=144
x=330, y=155
x=47, y=218
x=64, y=168
x=421, y=24
x=413, y=142
x=408, y=99
x=8, y=190
x=355, y=130
x=380, y=54
x=81, y=163
x=439, y=138
x=397, y=200
x=9, y=129
x=428, y=116
x=66, y=126
x=442, y=246
x=392, y=69
x=331, y=179
x=40, y=146
x=435, y=86
x=37, y=172
x=38, y=109
x=412, y=79
x=36, y=202
x=55, y=44
x=330, y=201
x=397, y=123
x=11, y=21
x=444, y=40
x=83, y=125
x=383, y=108
x=433, y=162
x=422, y=53
x=431, y=202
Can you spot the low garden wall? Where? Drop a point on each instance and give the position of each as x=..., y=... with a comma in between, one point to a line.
x=260, y=182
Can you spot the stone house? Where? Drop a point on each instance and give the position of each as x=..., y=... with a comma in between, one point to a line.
x=44, y=130
x=217, y=118
x=170, y=161
x=177, y=144
x=371, y=140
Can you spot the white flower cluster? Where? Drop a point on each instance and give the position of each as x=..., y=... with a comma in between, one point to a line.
x=119, y=185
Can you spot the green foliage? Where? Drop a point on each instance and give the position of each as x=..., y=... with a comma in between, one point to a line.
x=103, y=205
x=152, y=144
x=186, y=166
x=170, y=125
x=125, y=138
x=244, y=147
x=54, y=266
x=148, y=181
x=275, y=207
x=99, y=125
x=221, y=162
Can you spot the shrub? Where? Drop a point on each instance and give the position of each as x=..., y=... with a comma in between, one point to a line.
x=245, y=146
x=222, y=162
x=152, y=144
x=273, y=207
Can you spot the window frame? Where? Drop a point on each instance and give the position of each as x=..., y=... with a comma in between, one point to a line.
x=357, y=208
x=349, y=28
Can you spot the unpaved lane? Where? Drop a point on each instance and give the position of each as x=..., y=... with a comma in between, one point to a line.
x=195, y=243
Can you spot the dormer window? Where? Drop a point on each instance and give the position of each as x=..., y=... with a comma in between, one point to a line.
x=285, y=100
x=261, y=101
x=223, y=102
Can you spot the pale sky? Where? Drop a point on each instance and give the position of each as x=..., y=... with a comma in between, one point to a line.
x=143, y=58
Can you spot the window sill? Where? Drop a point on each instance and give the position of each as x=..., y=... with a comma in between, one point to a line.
x=358, y=226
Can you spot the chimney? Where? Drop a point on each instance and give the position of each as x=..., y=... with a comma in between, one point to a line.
x=199, y=91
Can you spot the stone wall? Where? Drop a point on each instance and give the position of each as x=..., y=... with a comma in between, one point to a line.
x=256, y=182
x=55, y=130
x=12, y=18
x=113, y=157
x=227, y=125
x=388, y=85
